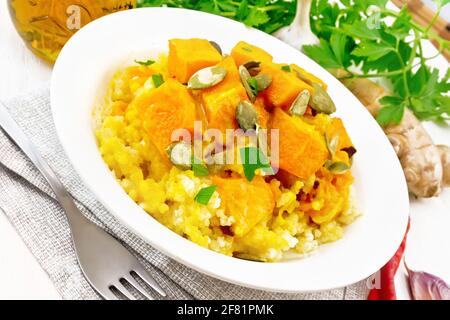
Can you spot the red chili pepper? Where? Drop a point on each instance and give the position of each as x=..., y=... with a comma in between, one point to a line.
x=387, y=275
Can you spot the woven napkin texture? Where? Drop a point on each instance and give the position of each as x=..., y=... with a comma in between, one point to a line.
x=29, y=204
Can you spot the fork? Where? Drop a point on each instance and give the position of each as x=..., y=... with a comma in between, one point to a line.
x=106, y=264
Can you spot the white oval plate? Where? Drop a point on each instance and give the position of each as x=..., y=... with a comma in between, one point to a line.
x=79, y=81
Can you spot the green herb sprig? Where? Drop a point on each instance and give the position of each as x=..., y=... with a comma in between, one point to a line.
x=385, y=44
x=157, y=79
x=253, y=159
x=199, y=169
x=205, y=194
x=266, y=15
x=145, y=63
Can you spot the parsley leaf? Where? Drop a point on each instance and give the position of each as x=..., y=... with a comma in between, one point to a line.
x=157, y=79
x=145, y=63
x=323, y=55
x=372, y=50
x=392, y=112
x=200, y=170
x=256, y=18
x=360, y=30
x=364, y=5
x=205, y=194
x=266, y=15
x=253, y=83
x=286, y=68
x=252, y=159
x=338, y=44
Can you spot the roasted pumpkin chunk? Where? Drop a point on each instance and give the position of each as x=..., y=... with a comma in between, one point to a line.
x=263, y=114
x=302, y=150
x=285, y=86
x=337, y=128
x=187, y=56
x=220, y=101
x=244, y=52
x=256, y=201
x=166, y=109
x=308, y=75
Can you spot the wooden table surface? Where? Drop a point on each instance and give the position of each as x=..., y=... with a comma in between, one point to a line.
x=23, y=278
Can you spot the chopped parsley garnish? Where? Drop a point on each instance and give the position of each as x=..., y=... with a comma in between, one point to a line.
x=205, y=194
x=286, y=68
x=253, y=83
x=253, y=159
x=157, y=79
x=145, y=63
x=200, y=170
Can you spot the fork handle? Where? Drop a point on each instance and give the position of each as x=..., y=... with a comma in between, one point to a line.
x=16, y=134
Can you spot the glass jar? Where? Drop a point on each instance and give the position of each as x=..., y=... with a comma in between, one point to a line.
x=46, y=25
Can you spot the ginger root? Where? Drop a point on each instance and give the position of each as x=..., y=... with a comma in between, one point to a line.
x=426, y=165
x=445, y=160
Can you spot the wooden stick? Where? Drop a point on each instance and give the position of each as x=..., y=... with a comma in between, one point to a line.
x=423, y=16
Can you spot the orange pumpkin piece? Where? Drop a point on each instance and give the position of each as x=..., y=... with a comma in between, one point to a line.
x=140, y=71
x=256, y=201
x=336, y=127
x=244, y=52
x=187, y=56
x=308, y=75
x=285, y=86
x=302, y=150
x=166, y=109
x=220, y=101
x=263, y=114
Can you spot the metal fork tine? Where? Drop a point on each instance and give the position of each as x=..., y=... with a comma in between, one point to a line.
x=138, y=287
x=124, y=290
x=107, y=294
x=141, y=272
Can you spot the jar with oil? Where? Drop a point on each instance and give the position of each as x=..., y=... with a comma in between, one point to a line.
x=46, y=25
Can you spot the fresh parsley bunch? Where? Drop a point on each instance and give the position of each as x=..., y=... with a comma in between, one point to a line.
x=266, y=15
x=381, y=43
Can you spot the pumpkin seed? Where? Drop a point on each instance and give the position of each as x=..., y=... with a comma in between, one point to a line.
x=321, y=100
x=207, y=77
x=180, y=154
x=303, y=78
x=216, y=46
x=336, y=167
x=245, y=78
x=264, y=81
x=332, y=144
x=298, y=107
x=246, y=115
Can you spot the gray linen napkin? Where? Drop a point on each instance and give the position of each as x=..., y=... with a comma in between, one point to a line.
x=29, y=204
